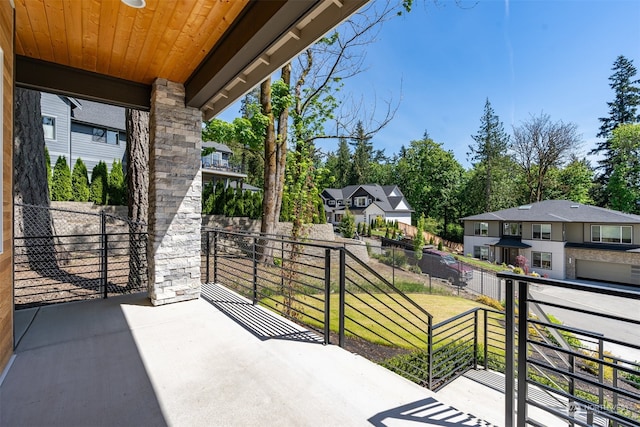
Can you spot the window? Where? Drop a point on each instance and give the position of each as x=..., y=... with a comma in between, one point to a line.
x=103, y=135
x=99, y=135
x=481, y=229
x=331, y=202
x=541, y=260
x=112, y=138
x=49, y=127
x=541, y=232
x=512, y=229
x=611, y=233
x=361, y=202
x=481, y=252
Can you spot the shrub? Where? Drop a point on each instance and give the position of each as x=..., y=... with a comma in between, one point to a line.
x=47, y=161
x=348, y=225
x=440, y=247
x=483, y=299
x=116, y=185
x=80, y=182
x=61, y=182
x=98, y=188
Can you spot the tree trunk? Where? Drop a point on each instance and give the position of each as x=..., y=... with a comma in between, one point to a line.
x=281, y=145
x=30, y=184
x=269, y=208
x=137, y=123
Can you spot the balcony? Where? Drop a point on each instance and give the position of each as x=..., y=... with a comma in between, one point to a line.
x=240, y=356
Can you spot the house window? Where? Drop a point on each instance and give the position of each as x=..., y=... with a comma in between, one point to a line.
x=611, y=233
x=361, y=202
x=481, y=229
x=512, y=229
x=340, y=202
x=112, y=137
x=49, y=127
x=481, y=252
x=541, y=232
x=103, y=135
x=541, y=260
x=99, y=135
x=331, y=202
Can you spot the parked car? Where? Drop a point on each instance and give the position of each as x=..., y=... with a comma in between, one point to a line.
x=444, y=266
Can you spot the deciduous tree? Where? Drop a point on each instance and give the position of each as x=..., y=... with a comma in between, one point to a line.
x=539, y=145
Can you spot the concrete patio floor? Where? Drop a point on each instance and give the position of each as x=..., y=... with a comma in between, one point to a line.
x=221, y=362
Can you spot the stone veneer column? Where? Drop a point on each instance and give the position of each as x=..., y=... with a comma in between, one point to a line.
x=175, y=190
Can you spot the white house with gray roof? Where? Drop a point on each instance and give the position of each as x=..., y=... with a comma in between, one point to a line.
x=366, y=202
x=560, y=239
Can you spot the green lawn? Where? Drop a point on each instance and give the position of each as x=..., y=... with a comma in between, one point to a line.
x=379, y=319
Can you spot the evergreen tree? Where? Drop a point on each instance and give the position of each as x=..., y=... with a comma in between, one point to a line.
x=340, y=164
x=80, y=182
x=418, y=240
x=359, y=172
x=116, y=185
x=61, y=182
x=207, y=198
x=47, y=160
x=218, y=199
x=622, y=110
x=623, y=187
x=491, y=145
x=98, y=189
x=348, y=224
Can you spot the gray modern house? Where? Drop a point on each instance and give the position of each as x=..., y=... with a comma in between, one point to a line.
x=560, y=239
x=83, y=129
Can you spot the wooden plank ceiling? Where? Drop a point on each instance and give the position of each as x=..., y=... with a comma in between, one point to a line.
x=166, y=39
x=106, y=51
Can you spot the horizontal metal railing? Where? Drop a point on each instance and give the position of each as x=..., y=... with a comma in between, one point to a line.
x=334, y=292
x=55, y=263
x=596, y=387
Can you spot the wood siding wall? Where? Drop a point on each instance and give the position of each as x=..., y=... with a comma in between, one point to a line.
x=6, y=257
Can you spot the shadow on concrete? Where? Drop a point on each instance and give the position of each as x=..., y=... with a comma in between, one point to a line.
x=427, y=411
x=256, y=320
x=78, y=364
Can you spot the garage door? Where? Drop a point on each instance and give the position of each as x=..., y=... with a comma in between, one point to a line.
x=608, y=272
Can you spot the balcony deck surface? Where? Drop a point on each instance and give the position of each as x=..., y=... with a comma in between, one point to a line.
x=216, y=361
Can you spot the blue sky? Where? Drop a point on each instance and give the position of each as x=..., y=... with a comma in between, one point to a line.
x=442, y=60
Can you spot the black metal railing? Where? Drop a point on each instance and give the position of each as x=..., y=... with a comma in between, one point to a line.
x=597, y=387
x=334, y=292
x=63, y=255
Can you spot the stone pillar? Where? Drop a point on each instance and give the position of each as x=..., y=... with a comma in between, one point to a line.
x=175, y=192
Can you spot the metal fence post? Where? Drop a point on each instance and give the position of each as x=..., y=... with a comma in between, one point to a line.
x=601, y=371
x=327, y=296
x=430, y=353
x=510, y=382
x=342, y=299
x=523, y=337
x=486, y=339
x=207, y=247
x=475, y=340
x=255, y=272
x=215, y=257
x=103, y=253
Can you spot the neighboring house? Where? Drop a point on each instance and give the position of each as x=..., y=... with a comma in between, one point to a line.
x=366, y=202
x=83, y=129
x=216, y=167
x=93, y=131
x=560, y=239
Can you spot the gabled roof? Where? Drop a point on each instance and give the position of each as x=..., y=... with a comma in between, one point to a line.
x=96, y=113
x=557, y=211
x=378, y=193
x=217, y=147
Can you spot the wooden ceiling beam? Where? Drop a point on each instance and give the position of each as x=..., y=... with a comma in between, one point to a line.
x=55, y=78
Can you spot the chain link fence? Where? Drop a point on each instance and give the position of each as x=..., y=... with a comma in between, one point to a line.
x=64, y=255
